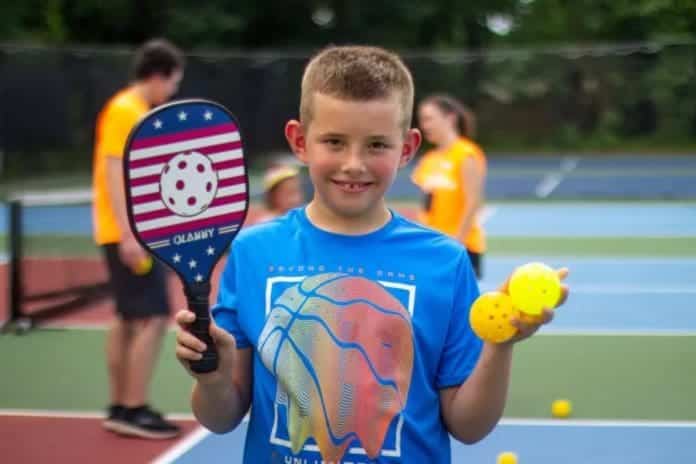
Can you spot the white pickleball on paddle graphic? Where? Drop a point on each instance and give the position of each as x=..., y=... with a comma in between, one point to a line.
x=188, y=183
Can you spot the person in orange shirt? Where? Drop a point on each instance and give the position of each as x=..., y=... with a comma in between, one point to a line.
x=452, y=175
x=138, y=282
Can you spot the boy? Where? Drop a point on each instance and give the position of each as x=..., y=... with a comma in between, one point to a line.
x=135, y=337
x=346, y=323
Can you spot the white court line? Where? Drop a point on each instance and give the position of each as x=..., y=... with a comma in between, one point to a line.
x=596, y=423
x=622, y=289
x=63, y=414
x=552, y=180
x=183, y=446
x=551, y=331
x=487, y=213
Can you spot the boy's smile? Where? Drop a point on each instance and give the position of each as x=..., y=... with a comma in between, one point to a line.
x=353, y=150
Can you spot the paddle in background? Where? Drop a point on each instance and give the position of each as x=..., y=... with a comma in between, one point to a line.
x=187, y=197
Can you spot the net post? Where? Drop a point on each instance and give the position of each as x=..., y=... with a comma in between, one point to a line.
x=15, y=260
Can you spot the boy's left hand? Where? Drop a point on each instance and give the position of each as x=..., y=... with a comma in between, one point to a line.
x=527, y=327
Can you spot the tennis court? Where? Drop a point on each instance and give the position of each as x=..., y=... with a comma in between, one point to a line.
x=621, y=349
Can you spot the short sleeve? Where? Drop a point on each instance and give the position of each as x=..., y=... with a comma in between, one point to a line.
x=226, y=310
x=462, y=347
x=117, y=124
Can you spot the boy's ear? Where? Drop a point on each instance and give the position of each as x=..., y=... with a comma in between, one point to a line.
x=294, y=133
x=412, y=142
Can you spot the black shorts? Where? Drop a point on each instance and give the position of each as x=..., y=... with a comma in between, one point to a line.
x=137, y=296
x=475, y=259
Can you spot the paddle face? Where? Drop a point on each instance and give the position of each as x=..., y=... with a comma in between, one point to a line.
x=187, y=193
x=186, y=185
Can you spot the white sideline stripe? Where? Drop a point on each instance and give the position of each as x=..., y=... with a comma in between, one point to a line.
x=158, y=205
x=157, y=168
x=550, y=330
x=513, y=421
x=182, y=447
x=546, y=331
x=487, y=213
x=521, y=422
x=552, y=180
x=63, y=414
x=142, y=153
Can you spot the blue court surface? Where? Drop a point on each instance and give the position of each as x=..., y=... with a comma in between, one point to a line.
x=542, y=219
x=612, y=295
x=533, y=441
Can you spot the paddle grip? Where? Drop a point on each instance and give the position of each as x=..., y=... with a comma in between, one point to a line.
x=197, y=297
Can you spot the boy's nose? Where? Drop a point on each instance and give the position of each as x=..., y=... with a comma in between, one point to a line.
x=354, y=162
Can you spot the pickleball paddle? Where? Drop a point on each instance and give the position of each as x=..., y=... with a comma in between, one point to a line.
x=187, y=196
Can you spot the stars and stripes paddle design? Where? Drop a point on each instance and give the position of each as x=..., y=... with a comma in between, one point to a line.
x=187, y=194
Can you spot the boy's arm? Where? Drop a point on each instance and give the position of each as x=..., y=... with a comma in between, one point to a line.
x=472, y=409
x=221, y=405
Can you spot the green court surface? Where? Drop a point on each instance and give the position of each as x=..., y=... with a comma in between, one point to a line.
x=606, y=377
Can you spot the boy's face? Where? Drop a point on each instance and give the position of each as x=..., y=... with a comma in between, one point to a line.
x=353, y=150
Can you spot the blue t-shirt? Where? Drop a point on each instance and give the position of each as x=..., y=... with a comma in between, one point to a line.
x=353, y=337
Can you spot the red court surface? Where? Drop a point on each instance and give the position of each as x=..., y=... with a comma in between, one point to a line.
x=29, y=439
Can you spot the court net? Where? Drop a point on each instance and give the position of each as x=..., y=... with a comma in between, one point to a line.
x=51, y=265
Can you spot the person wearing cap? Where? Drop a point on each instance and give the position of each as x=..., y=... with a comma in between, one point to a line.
x=282, y=191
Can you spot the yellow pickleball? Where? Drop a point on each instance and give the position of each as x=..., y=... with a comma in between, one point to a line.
x=490, y=317
x=533, y=287
x=507, y=457
x=144, y=266
x=561, y=409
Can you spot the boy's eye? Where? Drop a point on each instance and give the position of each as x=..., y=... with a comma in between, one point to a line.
x=333, y=142
x=379, y=146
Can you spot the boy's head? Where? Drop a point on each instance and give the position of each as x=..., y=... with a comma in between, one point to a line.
x=357, y=73
x=354, y=128
x=158, y=65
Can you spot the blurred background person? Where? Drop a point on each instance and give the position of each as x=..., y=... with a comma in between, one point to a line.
x=452, y=175
x=282, y=185
x=137, y=281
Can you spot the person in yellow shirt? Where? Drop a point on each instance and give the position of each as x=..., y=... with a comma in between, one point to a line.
x=452, y=175
x=138, y=282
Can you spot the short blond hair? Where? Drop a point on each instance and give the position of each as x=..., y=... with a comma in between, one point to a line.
x=358, y=73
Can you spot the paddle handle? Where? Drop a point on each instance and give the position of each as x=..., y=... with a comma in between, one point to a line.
x=197, y=297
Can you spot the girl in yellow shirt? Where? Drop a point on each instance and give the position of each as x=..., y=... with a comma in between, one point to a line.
x=452, y=175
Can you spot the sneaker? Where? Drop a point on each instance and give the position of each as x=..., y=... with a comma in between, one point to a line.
x=145, y=422
x=114, y=415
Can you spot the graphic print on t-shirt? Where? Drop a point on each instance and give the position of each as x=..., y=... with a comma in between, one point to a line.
x=341, y=348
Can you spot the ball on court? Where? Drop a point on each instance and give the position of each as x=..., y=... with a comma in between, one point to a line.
x=188, y=183
x=144, y=266
x=561, y=408
x=507, y=457
x=490, y=317
x=533, y=287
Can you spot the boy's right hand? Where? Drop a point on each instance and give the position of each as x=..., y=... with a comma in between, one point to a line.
x=190, y=348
